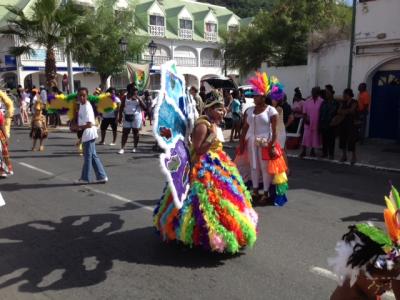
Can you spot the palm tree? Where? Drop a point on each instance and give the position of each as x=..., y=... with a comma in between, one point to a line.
x=46, y=26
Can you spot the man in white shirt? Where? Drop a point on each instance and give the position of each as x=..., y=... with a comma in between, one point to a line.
x=86, y=122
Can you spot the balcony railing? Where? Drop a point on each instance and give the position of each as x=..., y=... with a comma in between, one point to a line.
x=40, y=55
x=211, y=36
x=186, y=61
x=186, y=34
x=155, y=30
x=157, y=60
x=206, y=62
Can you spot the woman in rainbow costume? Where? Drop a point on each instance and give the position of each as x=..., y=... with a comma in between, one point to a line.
x=216, y=212
x=367, y=263
x=259, y=152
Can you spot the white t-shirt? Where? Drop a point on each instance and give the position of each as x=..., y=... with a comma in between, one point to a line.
x=86, y=115
x=260, y=125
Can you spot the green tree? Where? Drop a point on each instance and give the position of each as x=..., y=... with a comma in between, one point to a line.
x=281, y=36
x=47, y=26
x=102, y=29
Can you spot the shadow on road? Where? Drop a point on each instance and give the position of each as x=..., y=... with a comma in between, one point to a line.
x=132, y=206
x=364, y=216
x=43, y=248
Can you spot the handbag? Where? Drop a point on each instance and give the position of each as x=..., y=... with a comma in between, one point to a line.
x=265, y=152
x=129, y=118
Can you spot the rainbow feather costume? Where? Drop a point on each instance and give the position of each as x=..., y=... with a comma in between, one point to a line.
x=217, y=214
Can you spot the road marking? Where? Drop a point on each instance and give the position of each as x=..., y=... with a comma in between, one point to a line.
x=323, y=273
x=111, y=195
x=35, y=168
x=2, y=202
x=330, y=275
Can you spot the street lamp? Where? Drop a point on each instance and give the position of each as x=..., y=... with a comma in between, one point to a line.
x=152, y=50
x=223, y=57
x=123, y=46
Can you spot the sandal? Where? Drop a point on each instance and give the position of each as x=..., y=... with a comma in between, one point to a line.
x=265, y=200
x=255, y=198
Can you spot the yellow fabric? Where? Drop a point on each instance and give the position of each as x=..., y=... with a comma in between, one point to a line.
x=10, y=111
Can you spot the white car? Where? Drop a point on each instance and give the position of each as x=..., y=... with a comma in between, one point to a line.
x=248, y=95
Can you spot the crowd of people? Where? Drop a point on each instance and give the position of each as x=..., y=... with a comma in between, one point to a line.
x=321, y=119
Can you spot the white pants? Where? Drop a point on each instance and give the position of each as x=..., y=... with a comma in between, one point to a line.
x=257, y=166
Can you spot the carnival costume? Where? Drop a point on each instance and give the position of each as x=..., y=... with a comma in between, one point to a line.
x=67, y=104
x=38, y=128
x=5, y=162
x=206, y=202
x=256, y=140
x=366, y=248
x=9, y=104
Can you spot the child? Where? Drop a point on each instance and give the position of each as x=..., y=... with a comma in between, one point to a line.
x=38, y=126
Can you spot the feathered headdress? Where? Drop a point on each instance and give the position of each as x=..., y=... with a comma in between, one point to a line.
x=260, y=83
x=264, y=85
x=276, y=89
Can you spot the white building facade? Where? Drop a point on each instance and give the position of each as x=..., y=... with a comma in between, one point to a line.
x=376, y=61
x=183, y=30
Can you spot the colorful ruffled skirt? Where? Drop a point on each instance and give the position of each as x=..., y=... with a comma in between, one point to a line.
x=217, y=214
x=5, y=162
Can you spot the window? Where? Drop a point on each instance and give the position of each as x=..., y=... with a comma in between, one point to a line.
x=211, y=27
x=233, y=28
x=185, y=24
x=156, y=20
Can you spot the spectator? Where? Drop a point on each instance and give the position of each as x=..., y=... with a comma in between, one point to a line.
x=148, y=102
x=297, y=109
x=228, y=100
x=311, y=109
x=202, y=93
x=65, y=84
x=235, y=110
x=43, y=97
x=110, y=119
x=17, y=109
x=86, y=122
x=197, y=99
x=131, y=111
x=328, y=112
x=347, y=128
x=364, y=101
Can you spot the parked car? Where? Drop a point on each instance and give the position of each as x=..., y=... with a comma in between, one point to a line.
x=248, y=95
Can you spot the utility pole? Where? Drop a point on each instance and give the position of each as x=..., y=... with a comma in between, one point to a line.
x=353, y=29
x=69, y=60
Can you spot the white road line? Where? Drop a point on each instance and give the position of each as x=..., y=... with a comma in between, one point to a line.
x=323, y=272
x=111, y=195
x=2, y=202
x=330, y=275
x=35, y=168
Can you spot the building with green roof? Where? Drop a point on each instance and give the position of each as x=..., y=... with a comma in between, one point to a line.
x=187, y=31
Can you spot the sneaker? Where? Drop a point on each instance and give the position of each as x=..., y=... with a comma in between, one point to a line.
x=3, y=175
x=121, y=151
x=104, y=180
x=112, y=144
x=133, y=150
x=81, y=181
x=102, y=143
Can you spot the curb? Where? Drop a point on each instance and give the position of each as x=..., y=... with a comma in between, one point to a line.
x=361, y=165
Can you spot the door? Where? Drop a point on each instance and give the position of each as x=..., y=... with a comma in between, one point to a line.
x=385, y=106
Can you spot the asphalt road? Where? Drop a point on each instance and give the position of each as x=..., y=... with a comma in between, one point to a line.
x=60, y=241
